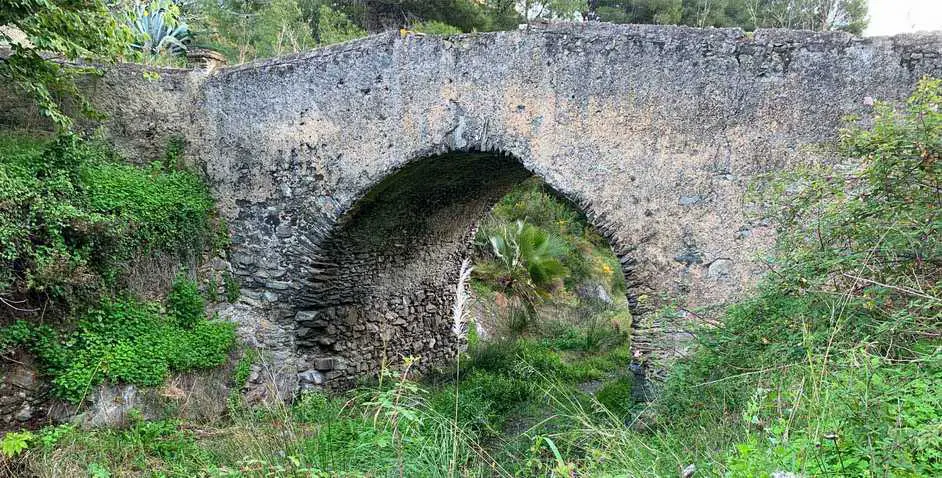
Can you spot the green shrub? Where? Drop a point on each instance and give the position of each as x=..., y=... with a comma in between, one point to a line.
x=185, y=303
x=72, y=215
x=616, y=396
x=123, y=341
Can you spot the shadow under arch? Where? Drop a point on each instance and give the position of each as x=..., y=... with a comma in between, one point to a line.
x=384, y=280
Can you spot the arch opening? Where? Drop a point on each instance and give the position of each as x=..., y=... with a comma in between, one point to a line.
x=385, y=279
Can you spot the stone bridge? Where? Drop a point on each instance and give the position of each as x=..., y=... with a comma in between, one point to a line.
x=353, y=176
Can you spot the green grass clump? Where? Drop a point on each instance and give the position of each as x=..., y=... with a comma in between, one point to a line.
x=616, y=396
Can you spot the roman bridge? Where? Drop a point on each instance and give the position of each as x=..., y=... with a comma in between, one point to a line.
x=353, y=176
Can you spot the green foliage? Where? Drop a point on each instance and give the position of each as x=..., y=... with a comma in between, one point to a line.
x=185, y=303
x=485, y=400
x=819, y=15
x=329, y=26
x=71, y=215
x=560, y=10
x=232, y=287
x=248, y=30
x=537, y=252
x=464, y=15
x=158, y=28
x=587, y=255
x=66, y=29
x=243, y=368
x=97, y=471
x=50, y=436
x=616, y=396
x=122, y=341
x=433, y=27
x=212, y=289
x=14, y=443
x=397, y=425
x=528, y=257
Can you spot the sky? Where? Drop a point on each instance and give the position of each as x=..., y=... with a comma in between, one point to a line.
x=889, y=17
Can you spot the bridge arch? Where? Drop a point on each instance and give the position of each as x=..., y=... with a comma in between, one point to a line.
x=382, y=283
x=656, y=132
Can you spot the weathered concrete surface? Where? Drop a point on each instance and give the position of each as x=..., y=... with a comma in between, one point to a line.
x=348, y=226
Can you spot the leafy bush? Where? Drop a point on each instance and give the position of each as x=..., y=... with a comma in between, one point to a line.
x=71, y=216
x=123, y=341
x=185, y=303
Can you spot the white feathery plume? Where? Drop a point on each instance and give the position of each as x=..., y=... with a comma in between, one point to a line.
x=459, y=315
x=458, y=327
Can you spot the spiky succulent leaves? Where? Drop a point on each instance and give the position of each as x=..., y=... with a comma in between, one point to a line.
x=158, y=28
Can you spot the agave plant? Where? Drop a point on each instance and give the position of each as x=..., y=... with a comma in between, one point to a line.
x=158, y=28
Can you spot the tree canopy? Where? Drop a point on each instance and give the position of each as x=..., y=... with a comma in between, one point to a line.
x=819, y=15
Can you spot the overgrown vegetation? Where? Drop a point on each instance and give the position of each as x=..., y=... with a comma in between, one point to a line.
x=123, y=341
x=537, y=258
x=247, y=30
x=72, y=217
x=394, y=427
x=72, y=30
x=817, y=15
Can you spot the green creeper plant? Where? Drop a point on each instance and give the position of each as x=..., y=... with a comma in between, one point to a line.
x=185, y=303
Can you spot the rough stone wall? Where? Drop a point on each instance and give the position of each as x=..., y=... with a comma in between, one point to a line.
x=380, y=287
x=654, y=131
